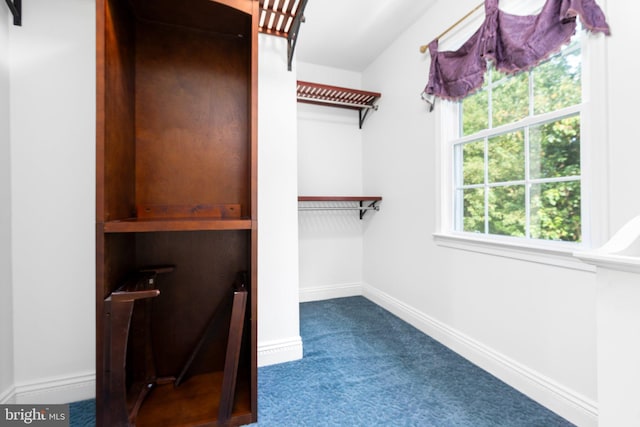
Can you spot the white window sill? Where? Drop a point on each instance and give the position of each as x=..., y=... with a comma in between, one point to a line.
x=557, y=254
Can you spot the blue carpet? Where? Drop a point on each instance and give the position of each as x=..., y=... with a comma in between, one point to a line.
x=362, y=366
x=83, y=413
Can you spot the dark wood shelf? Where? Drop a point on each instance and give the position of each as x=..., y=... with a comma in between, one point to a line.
x=340, y=97
x=283, y=19
x=338, y=198
x=196, y=402
x=142, y=225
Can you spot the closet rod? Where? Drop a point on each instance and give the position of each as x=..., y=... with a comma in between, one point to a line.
x=424, y=47
x=330, y=208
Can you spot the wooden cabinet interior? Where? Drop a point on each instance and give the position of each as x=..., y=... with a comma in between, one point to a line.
x=177, y=185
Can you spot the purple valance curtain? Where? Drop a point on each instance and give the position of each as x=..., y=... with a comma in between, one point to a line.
x=512, y=42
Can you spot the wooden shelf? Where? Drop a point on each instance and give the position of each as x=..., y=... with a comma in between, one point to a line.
x=138, y=225
x=360, y=199
x=193, y=403
x=339, y=97
x=338, y=198
x=282, y=20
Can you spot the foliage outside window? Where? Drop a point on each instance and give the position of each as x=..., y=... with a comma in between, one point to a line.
x=517, y=155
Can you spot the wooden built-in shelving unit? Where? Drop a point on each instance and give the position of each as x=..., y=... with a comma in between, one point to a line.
x=176, y=187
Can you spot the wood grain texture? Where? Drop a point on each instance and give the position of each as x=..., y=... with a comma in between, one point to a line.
x=192, y=118
x=176, y=184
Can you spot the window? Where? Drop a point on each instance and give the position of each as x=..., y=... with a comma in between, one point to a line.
x=516, y=154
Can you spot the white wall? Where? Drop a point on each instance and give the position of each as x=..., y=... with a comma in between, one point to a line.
x=329, y=164
x=6, y=299
x=53, y=197
x=622, y=91
x=278, y=316
x=619, y=294
x=534, y=325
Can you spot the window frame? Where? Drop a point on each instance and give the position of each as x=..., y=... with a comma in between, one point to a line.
x=594, y=172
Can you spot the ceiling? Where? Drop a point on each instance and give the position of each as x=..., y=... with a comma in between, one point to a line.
x=350, y=34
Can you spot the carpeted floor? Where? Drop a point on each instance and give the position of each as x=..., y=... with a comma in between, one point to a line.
x=362, y=366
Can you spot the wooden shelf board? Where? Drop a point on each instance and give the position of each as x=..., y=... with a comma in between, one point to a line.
x=195, y=402
x=335, y=96
x=338, y=198
x=137, y=225
x=277, y=19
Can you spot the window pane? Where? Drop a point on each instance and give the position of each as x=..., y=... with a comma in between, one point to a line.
x=510, y=100
x=555, y=211
x=507, y=215
x=555, y=149
x=557, y=83
x=506, y=157
x=475, y=113
x=473, y=210
x=473, y=163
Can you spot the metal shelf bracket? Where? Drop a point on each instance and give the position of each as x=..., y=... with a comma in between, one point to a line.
x=372, y=205
x=362, y=114
x=15, y=6
x=292, y=37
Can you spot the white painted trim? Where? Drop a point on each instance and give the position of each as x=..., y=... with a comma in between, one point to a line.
x=57, y=390
x=569, y=404
x=280, y=351
x=320, y=293
x=7, y=397
x=595, y=160
x=556, y=254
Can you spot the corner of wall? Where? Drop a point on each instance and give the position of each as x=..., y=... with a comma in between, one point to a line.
x=278, y=320
x=566, y=402
x=6, y=281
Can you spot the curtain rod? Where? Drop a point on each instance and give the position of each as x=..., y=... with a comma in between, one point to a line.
x=423, y=48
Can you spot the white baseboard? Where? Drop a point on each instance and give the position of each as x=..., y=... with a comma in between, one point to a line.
x=56, y=390
x=274, y=352
x=567, y=403
x=7, y=397
x=320, y=293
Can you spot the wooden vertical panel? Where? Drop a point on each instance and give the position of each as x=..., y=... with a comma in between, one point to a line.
x=253, y=242
x=100, y=125
x=100, y=110
x=205, y=267
x=232, y=358
x=118, y=150
x=101, y=381
x=253, y=131
x=191, y=118
x=253, y=322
